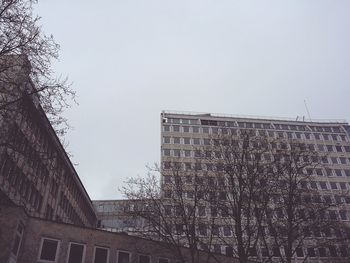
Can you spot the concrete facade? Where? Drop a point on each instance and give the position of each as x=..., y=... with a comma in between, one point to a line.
x=35, y=170
x=184, y=133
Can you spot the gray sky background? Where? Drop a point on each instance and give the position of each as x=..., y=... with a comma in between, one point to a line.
x=128, y=60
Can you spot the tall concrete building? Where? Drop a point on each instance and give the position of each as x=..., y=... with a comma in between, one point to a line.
x=183, y=134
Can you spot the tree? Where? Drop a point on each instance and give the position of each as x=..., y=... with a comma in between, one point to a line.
x=174, y=210
x=299, y=210
x=26, y=54
x=244, y=186
x=261, y=193
x=273, y=202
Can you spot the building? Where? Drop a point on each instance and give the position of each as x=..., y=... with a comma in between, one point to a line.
x=35, y=170
x=184, y=135
x=31, y=239
x=113, y=216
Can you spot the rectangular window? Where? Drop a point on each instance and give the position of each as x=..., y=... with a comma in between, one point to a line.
x=177, y=153
x=101, y=255
x=18, y=240
x=299, y=252
x=323, y=185
x=176, y=140
x=227, y=231
x=195, y=129
x=76, y=253
x=163, y=260
x=187, y=140
x=166, y=128
x=176, y=128
x=123, y=257
x=322, y=252
x=334, y=185
x=187, y=153
x=196, y=141
x=166, y=139
x=49, y=250
x=186, y=129
x=311, y=252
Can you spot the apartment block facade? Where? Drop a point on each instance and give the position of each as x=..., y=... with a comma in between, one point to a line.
x=184, y=135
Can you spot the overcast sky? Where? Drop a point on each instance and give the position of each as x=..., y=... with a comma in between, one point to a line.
x=129, y=60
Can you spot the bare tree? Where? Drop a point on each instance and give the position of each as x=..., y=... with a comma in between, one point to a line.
x=244, y=184
x=26, y=54
x=297, y=210
x=174, y=209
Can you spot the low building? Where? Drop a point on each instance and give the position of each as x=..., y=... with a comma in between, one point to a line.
x=114, y=216
x=30, y=239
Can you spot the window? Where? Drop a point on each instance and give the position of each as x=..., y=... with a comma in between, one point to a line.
x=166, y=152
x=177, y=153
x=176, y=140
x=338, y=172
x=18, y=239
x=217, y=248
x=229, y=251
x=329, y=148
x=202, y=230
x=322, y=252
x=343, y=215
x=49, y=250
x=163, y=260
x=323, y=185
x=313, y=185
x=187, y=140
x=201, y=210
x=166, y=139
x=176, y=128
x=76, y=253
x=144, y=259
x=334, y=160
x=334, y=185
x=123, y=257
x=187, y=153
x=101, y=255
x=344, y=251
x=332, y=251
x=195, y=129
x=311, y=252
x=196, y=141
x=186, y=129
x=166, y=128
x=227, y=231
x=299, y=252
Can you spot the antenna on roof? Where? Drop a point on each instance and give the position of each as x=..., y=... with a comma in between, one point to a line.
x=307, y=110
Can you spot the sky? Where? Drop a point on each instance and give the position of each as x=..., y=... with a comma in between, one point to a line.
x=130, y=59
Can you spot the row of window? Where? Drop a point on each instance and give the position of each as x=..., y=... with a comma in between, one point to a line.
x=190, y=166
x=213, y=142
x=264, y=157
x=22, y=185
x=49, y=251
x=272, y=134
x=255, y=125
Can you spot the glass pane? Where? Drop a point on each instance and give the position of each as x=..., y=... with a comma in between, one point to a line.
x=101, y=255
x=123, y=257
x=48, y=250
x=76, y=253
